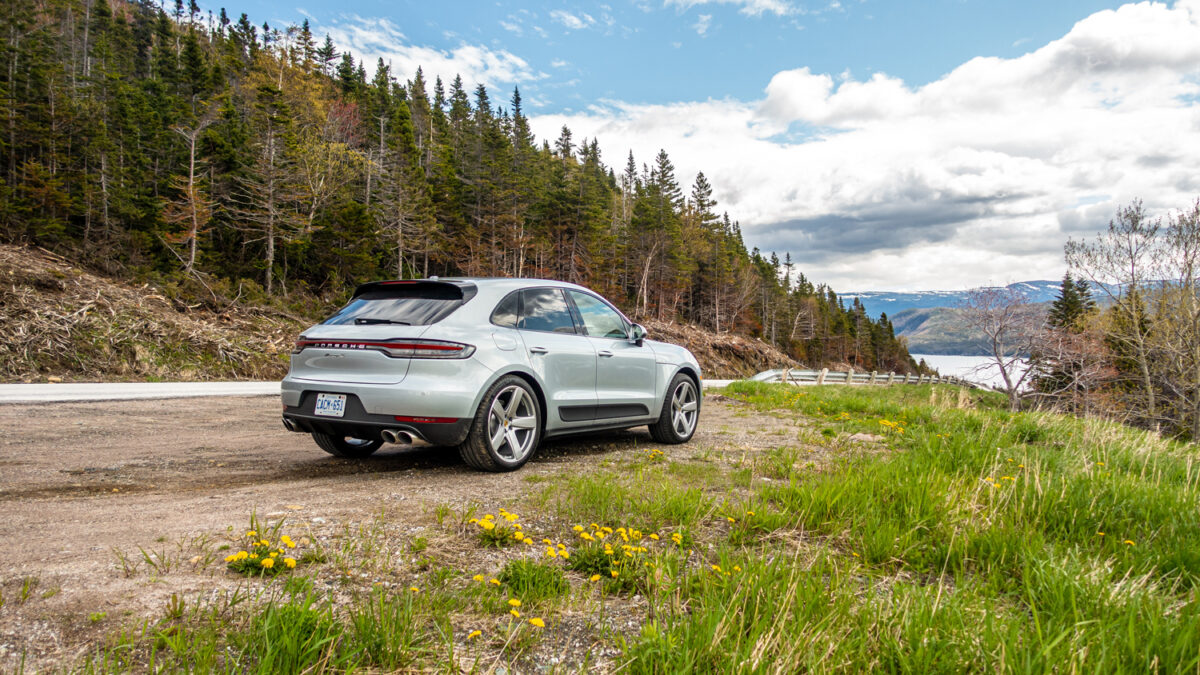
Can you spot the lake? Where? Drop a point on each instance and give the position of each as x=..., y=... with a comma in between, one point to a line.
x=981, y=369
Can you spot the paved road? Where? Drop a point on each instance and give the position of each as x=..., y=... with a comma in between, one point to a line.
x=123, y=391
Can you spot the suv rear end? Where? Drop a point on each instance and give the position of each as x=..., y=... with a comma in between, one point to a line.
x=382, y=367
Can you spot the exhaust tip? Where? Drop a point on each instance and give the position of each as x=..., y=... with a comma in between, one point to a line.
x=289, y=425
x=396, y=436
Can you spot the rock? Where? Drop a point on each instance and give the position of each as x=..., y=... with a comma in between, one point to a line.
x=867, y=438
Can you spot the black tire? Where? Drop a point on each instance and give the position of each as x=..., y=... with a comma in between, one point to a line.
x=350, y=448
x=680, y=412
x=507, y=427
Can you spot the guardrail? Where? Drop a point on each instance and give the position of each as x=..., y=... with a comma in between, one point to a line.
x=825, y=376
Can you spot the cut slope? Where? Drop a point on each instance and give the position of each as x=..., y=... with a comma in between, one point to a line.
x=60, y=321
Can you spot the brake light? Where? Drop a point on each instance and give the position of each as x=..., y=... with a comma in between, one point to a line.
x=400, y=349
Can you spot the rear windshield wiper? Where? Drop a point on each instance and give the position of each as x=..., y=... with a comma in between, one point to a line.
x=365, y=322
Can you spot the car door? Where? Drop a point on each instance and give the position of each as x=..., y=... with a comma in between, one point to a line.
x=625, y=370
x=561, y=355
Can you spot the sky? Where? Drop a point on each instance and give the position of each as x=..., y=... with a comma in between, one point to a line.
x=887, y=145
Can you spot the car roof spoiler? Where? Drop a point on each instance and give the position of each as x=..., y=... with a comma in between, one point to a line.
x=419, y=288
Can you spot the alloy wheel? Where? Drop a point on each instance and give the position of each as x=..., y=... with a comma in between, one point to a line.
x=513, y=423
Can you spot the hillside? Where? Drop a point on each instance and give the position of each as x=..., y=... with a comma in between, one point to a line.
x=60, y=321
x=937, y=330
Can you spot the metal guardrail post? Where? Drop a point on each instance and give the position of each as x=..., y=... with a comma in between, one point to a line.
x=873, y=375
x=891, y=376
x=850, y=376
x=821, y=375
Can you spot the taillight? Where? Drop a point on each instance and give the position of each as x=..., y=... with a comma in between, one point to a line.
x=400, y=349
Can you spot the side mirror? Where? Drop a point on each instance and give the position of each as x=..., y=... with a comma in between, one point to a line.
x=636, y=334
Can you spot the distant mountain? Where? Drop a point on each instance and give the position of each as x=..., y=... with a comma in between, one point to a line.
x=894, y=302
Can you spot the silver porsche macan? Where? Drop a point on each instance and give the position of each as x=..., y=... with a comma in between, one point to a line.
x=490, y=366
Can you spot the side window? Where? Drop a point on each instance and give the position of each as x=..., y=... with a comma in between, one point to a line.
x=505, y=313
x=545, y=309
x=599, y=319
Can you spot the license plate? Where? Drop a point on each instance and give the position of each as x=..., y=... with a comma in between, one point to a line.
x=330, y=405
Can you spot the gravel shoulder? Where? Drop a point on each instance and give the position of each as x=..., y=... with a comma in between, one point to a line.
x=83, y=485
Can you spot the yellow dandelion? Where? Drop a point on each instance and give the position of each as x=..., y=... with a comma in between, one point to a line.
x=474, y=634
x=1100, y=534
x=537, y=622
x=478, y=577
x=547, y=541
x=1128, y=542
x=564, y=554
x=515, y=613
x=855, y=554
x=290, y=562
x=494, y=582
x=595, y=577
x=654, y=537
x=414, y=589
x=513, y=602
x=730, y=519
x=737, y=568
x=231, y=557
x=528, y=540
x=578, y=528
x=749, y=513
x=252, y=533
x=268, y=563
x=716, y=568
x=613, y=573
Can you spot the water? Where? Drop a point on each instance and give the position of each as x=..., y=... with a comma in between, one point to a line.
x=981, y=369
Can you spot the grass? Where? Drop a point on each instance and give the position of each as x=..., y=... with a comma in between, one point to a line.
x=949, y=535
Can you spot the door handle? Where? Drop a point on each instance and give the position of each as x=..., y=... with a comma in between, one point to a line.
x=605, y=353
x=538, y=350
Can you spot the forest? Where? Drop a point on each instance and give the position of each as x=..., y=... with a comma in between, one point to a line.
x=174, y=146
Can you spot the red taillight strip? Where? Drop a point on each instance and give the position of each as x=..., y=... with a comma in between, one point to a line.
x=335, y=344
x=426, y=420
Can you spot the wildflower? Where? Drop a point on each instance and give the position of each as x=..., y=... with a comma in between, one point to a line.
x=513, y=602
x=494, y=582
x=414, y=589
x=595, y=577
x=487, y=525
x=537, y=622
x=614, y=574
x=1101, y=534
x=1099, y=463
x=252, y=533
x=1128, y=542
x=518, y=536
x=478, y=577
x=268, y=563
x=578, y=528
x=550, y=552
x=290, y=562
x=515, y=613
x=563, y=553
x=737, y=568
x=855, y=554
x=528, y=540
x=474, y=634
x=473, y=521
x=716, y=568
x=654, y=536
x=730, y=519
x=547, y=541
x=586, y=537
x=231, y=557
x=749, y=513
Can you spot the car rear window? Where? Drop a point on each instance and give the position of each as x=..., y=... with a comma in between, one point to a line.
x=545, y=309
x=412, y=304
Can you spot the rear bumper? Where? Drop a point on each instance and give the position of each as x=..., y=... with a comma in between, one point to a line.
x=358, y=423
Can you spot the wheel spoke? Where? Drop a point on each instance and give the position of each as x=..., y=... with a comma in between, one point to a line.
x=524, y=422
x=497, y=412
x=513, y=403
x=514, y=444
x=689, y=406
x=498, y=437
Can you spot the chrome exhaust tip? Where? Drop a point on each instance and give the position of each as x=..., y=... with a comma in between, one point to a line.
x=289, y=425
x=396, y=436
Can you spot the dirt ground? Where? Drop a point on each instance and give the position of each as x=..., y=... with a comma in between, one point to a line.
x=84, y=486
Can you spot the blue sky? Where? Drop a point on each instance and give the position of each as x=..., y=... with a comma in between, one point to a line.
x=886, y=145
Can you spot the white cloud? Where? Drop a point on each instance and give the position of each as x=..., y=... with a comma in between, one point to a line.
x=572, y=21
x=979, y=176
x=559, y=63
x=702, y=24
x=373, y=39
x=747, y=7
x=512, y=27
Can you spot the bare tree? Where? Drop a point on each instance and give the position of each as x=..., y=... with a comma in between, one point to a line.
x=1009, y=323
x=193, y=208
x=1121, y=262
